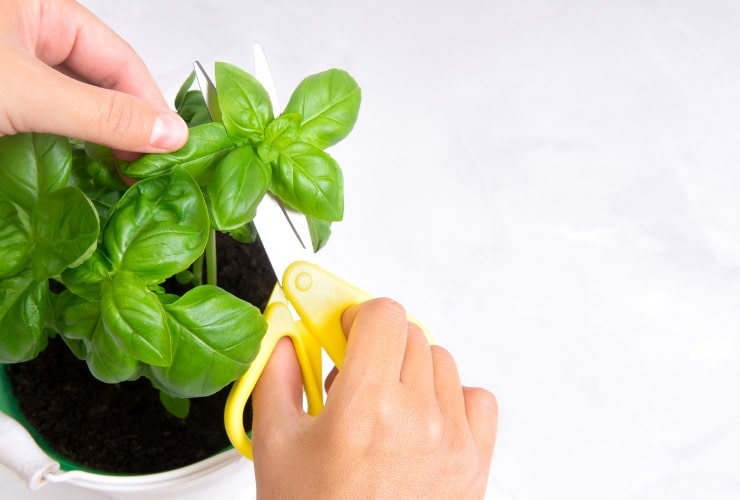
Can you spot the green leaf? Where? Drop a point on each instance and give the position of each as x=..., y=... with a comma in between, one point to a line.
x=158, y=228
x=79, y=318
x=103, y=154
x=194, y=110
x=32, y=165
x=104, y=175
x=245, y=234
x=320, y=231
x=245, y=105
x=184, y=90
x=135, y=319
x=329, y=103
x=24, y=306
x=309, y=180
x=86, y=279
x=281, y=132
x=239, y=182
x=206, y=145
x=101, y=184
x=14, y=241
x=65, y=232
x=107, y=361
x=216, y=337
x=179, y=407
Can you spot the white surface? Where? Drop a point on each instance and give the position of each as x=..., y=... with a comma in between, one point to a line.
x=552, y=186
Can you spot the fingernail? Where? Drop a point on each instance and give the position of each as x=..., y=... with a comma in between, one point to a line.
x=169, y=132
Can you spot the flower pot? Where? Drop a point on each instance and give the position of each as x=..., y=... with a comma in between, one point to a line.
x=224, y=475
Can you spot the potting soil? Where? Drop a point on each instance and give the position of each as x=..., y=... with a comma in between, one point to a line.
x=123, y=428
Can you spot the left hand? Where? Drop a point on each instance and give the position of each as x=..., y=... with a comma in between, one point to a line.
x=65, y=72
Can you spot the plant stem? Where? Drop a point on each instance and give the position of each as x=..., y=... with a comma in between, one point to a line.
x=211, y=264
x=198, y=270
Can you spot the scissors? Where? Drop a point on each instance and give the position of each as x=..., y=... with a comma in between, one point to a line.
x=306, y=305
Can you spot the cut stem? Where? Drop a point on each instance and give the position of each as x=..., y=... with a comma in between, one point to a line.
x=211, y=263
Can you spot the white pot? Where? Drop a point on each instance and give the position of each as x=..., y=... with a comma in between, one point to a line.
x=226, y=475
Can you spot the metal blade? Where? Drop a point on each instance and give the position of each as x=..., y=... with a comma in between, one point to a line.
x=263, y=74
x=283, y=232
x=208, y=89
x=285, y=238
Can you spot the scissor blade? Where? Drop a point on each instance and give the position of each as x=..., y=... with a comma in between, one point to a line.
x=283, y=232
x=263, y=75
x=208, y=89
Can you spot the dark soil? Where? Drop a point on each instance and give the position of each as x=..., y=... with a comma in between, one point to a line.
x=123, y=428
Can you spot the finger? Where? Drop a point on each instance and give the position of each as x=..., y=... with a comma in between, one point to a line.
x=278, y=395
x=71, y=36
x=481, y=408
x=418, y=370
x=330, y=379
x=376, y=340
x=82, y=111
x=447, y=385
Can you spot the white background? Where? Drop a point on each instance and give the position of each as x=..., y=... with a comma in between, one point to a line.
x=552, y=187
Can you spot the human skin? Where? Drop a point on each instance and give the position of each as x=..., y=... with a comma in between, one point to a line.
x=397, y=421
x=65, y=72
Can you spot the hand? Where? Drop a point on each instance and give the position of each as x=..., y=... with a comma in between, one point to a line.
x=65, y=72
x=397, y=422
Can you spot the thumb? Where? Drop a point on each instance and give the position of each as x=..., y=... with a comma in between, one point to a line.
x=76, y=109
x=277, y=399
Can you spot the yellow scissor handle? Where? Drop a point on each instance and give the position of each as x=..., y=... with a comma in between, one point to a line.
x=319, y=298
x=280, y=324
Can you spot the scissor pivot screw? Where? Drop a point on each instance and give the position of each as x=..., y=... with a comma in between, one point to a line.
x=303, y=282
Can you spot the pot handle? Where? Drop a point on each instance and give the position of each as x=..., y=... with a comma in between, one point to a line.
x=20, y=453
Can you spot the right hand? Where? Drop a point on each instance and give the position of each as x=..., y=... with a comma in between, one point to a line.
x=397, y=421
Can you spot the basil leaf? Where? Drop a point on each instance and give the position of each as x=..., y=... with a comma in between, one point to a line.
x=179, y=407
x=206, y=145
x=216, y=336
x=239, y=182
x=14, y=247
x=24, y=306
x=79, y=318
x=281, y=132
x=65, y=232
x=320, y=230
x=244, y=234
x=310, y=181
x=245, y=105
x=158, y=228
x=104, y=175
x=135, y=319
x=107, y=361
x=85, y=280
x=32, y=165
x=267, y=152
x=184, y=90
x=100, y=183
x=329, y=103
x=100, y=153
x=194, y=110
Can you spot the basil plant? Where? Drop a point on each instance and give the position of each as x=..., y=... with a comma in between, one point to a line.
x=85, y=257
